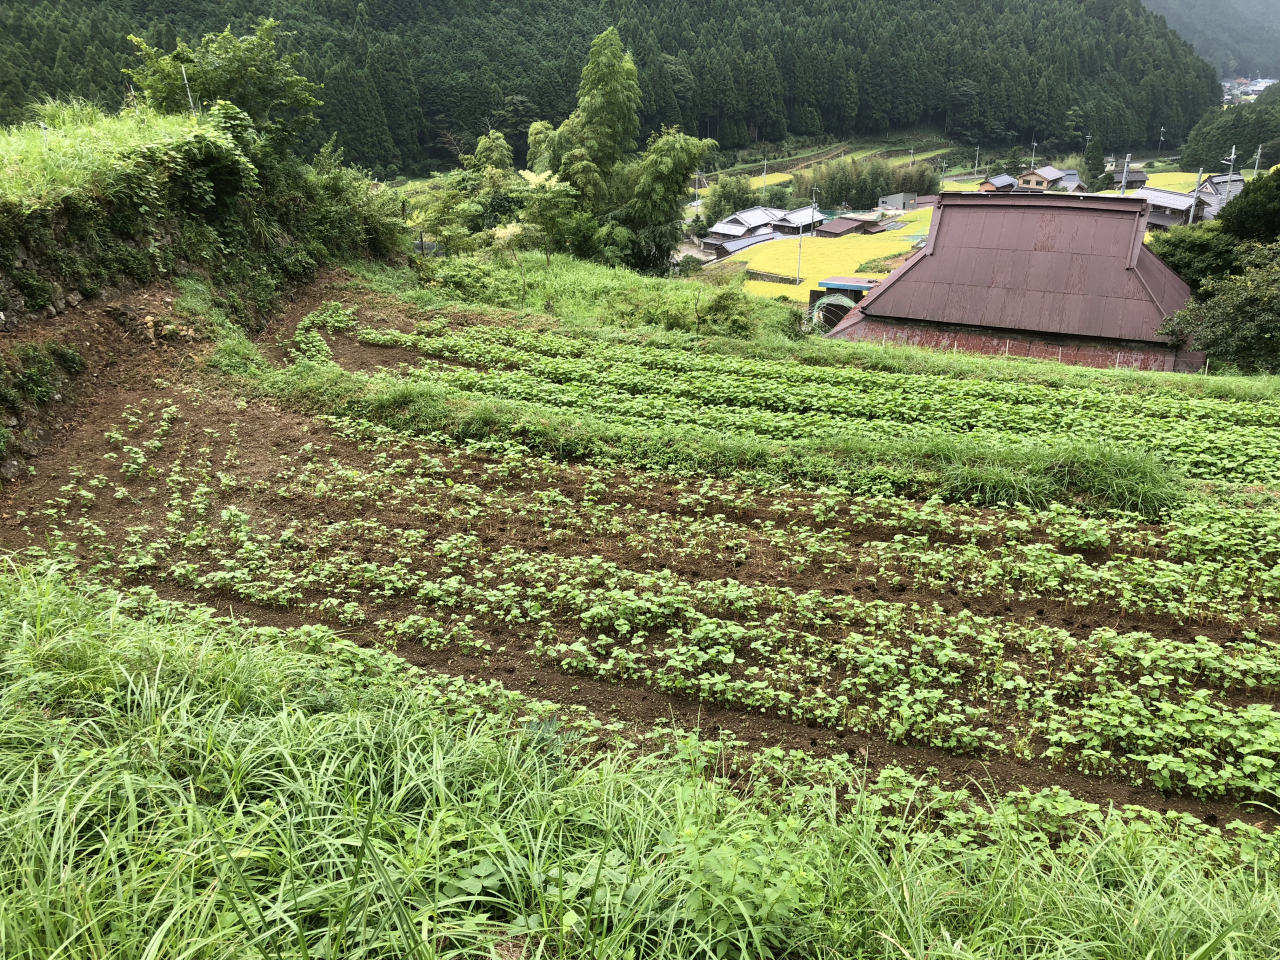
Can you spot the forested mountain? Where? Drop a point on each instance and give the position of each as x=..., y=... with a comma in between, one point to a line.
x=405, y=79
x=1239, y=37
x=1249, y=127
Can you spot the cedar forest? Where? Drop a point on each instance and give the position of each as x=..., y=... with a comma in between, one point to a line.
x=405, y=78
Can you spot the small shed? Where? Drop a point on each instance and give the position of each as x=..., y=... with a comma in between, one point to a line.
x=719, y=249
x=1132, y=180
x=839, y=227
x=855, y=288
x=898, y=201
x=847, y=226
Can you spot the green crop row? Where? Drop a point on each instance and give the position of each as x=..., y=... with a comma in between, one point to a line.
x=1210, y=439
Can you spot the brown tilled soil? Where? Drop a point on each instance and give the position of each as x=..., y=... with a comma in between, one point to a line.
x=126, y=368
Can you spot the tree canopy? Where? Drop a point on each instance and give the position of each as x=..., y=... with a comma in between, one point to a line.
x=1254, y=214
x=248, y=72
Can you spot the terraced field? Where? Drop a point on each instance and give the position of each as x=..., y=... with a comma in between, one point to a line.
x=816, y=555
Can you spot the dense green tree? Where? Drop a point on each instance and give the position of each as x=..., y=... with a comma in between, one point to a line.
x=607, y=120
x=730, y=195
x=492, y=150
x=656, y=189
x=247, y=72
x=1238, y=317
x=1254, y=214
x=548, y=211
x=1095, y=163
x=1197, y=253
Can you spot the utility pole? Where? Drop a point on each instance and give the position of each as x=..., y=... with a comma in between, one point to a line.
x=764, y=181
x=1195, y=198
x=975, y=160
x=813, y=201
x=1256, y=158
x=1124, y=177
x=1160, y=145
x=1231, y=170
x=1033, y=154
x=190, y=101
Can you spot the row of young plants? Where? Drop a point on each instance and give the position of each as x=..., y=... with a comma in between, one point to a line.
x=1128, y=705
x=1209, y=439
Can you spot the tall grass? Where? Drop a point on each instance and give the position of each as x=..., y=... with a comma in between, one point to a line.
x=79, y=152
x=182, y=788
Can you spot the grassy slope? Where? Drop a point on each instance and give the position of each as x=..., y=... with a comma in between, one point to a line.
x=600, y=301
x=39, y=168
x=180, y=786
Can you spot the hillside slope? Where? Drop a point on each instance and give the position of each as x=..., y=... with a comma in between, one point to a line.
x=403, y=79
x=1239, y=37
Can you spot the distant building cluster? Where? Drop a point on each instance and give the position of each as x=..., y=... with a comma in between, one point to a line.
x=1242, y=89
x=1028, y=265
x=1169, y=208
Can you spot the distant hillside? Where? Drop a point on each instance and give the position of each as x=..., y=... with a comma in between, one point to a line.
x=1239, y=37
x=405, y=80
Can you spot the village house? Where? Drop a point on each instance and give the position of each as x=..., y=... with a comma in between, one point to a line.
x=1051, y=276
x=757, y=225
x=746, y=223
x=1000, y=183
x=1219, y=190
x=806, y=219
x=1169, y=208
x=1050, y=178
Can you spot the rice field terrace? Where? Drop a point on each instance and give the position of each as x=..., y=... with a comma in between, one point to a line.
x=1035, y=585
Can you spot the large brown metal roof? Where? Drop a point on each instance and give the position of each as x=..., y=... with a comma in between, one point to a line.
x=1047, y=263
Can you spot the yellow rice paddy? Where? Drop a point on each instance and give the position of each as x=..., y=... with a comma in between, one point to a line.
x=823, y=257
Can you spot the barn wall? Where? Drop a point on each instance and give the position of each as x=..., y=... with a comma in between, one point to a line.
x=1080, y=352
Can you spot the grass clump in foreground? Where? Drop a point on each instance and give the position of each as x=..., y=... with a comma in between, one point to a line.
x=181, y=786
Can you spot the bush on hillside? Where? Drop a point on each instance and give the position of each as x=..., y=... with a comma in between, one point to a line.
x=1197, y=253
x=1238, y=319
x=90, y=200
